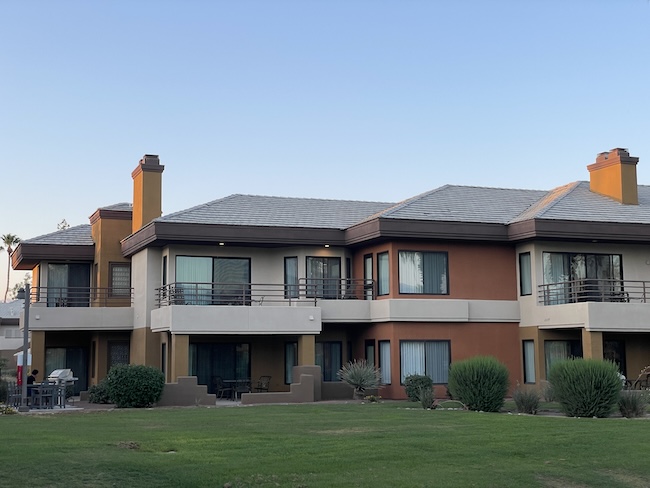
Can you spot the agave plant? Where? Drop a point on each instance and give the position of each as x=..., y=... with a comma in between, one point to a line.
x=360, y=375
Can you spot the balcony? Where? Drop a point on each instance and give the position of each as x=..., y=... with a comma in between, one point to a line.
x=254, y=308
x=81, y=296
x=305, y=292
x=596, y=305
x=81, y=308
x=594, y=290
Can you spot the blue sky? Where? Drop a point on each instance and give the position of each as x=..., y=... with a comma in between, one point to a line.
x=364, y=100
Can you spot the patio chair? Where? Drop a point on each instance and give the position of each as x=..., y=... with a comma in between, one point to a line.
x=263, y=384
x=220, y=388
x=242, y=386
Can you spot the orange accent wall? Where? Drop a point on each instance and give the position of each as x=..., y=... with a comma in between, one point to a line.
x=476, y=271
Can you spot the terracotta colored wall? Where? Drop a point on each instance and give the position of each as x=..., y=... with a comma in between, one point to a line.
x=467, y=340
x=476, y=271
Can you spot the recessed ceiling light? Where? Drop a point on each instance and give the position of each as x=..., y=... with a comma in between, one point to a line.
x=327, y=245
x=222, y=243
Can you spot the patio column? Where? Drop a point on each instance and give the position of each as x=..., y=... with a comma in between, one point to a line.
x=37, y=345
x=306, y=350
x=180, y=355
x=592, y=344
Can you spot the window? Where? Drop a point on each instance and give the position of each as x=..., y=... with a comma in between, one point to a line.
x=290, y=360
x=525, y=285
x=382, y=274
x=120, y=285
x=68, y=285
x=323, y=277
x=13, y=333
x=232, y=278
x=291, y=277
x=614, y=351
x=212, y=281
x=367, y=276
x=576, y=277
x=118, y=353
x=555, y=351
x=328, y=357
x=529, y=361
x=163, y=359
x=229, y=360
x=370, y=352
x=423, y=273
x=431, y=358
x=384, y=361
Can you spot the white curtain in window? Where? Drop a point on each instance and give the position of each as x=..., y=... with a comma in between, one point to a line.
x=384, y=361
x=194, y=279
x=555, y=351
x=411, y=358
x=291, y=277
x=525, y=279
x=57, y=284
x=382, y=274
x=410, y=272
x=529, y=362
x=437, y=361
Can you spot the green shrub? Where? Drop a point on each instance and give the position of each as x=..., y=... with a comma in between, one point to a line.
x=480, y=382
x=586, y=387
x=134, y=385
x=361, y=375
x=99, y=393
x=526, y=400
x=633, y=403
x=426, y=397
x=547, y=391
x=3, y=391
x=414, y=383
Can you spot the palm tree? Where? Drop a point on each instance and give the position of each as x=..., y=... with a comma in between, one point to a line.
x=9, y=240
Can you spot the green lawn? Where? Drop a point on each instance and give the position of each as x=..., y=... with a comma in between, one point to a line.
x=321, y=445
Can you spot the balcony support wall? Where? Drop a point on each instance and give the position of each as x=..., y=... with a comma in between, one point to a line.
x=180, y=350
x=306, y=350
x=592, y=344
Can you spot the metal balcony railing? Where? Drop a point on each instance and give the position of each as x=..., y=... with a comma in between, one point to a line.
x=246, y=294
x=53, y=296
x=596, y=290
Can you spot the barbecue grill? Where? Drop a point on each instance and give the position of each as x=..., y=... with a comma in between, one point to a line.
x=62, y=377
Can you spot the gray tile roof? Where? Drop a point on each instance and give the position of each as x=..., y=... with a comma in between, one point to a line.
x=11, y=310
x=73, y=236
x=576, y=202
x=265, y=211
x=452, y=203
x=119, y=206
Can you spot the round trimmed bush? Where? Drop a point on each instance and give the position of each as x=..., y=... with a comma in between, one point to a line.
x=480, y=382
x=414, y=384
x=131, y=385
x=585, y=387
x=99, y=393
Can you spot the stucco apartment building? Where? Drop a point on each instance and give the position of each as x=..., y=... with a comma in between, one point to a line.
x=245, y=285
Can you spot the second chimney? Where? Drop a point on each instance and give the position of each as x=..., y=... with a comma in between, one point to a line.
x=147, y=191
x=614, y=175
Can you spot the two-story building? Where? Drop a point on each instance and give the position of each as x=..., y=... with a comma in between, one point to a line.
x=246, y=286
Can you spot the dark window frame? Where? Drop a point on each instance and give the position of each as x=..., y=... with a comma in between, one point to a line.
x=448, y=341
x=445, y=253
x=380, y=291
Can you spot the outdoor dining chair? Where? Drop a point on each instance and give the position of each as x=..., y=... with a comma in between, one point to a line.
x=221, y=390
x=263, y=384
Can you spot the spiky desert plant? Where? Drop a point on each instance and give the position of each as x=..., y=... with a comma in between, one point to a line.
x=360, y=375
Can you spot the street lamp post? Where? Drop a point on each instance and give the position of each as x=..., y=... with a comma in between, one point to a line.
x=23, y=401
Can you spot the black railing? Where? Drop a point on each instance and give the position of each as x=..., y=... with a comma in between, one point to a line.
x=81, y=296
x=595, y=290
x=246, y=294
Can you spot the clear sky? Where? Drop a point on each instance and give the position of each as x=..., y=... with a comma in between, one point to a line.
x=363, y=100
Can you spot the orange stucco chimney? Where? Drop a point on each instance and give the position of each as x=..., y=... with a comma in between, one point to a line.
x=614, y=175
x=147, y=191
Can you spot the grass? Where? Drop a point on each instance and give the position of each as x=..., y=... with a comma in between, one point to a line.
x=321, y=445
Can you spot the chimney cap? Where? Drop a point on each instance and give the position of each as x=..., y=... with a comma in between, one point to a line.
x=150, y=159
